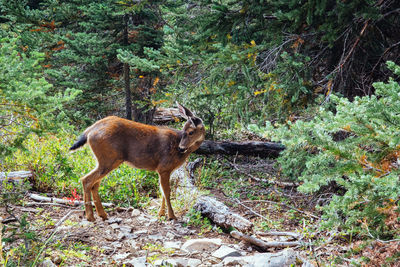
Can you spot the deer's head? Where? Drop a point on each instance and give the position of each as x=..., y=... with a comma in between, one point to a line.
x=193, y=131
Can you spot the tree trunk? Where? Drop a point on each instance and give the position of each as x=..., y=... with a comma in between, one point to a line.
x=128, y=101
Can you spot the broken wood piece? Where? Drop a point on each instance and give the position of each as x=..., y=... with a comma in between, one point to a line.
x=62, y=201
x=164, y=115
x=250, y=148
x=221, y=215
x=262, y=244
x=17, y=176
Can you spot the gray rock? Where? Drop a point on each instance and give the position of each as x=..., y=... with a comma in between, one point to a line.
x=173, y=245
x=155, y=237
x=135, y=213
x=125, y=229
x=120, y=257
x=137, y=262
x=199, y=245
x=107, y=250
x=178, y=262
x=170, y=236
x=86, y=223
x=140, y=232
x=114, y=226
x=282, y=258
x=114, y=220
x=225, y=251
x=116, y=244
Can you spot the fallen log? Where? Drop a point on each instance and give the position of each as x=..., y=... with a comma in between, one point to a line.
x=220, y=214
x=250, y=148
x=40, y=198
x=164, y=115
x=265, y=245
x=209, y=207
x=17, y=176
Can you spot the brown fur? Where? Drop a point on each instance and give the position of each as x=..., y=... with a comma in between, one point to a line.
x=114, y=140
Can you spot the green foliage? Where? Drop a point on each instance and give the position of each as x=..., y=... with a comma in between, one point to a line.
x=351, y=149
x=26, y=103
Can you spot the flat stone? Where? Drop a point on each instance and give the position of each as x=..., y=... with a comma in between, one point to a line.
x=120, y=236
x=116, y=244
x=125, y=229
x=286, y=257
x=114, y=226
x=199, y=245
x=86, y=223
x=170, y=236
x=135, y=213
x=114, y=220
x=137, y=262
x=225, y=251
x=173, y=245
x=155, y=237
x=120, y=257
x=178, y=262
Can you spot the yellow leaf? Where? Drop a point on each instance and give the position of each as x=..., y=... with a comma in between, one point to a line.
x=253, y=43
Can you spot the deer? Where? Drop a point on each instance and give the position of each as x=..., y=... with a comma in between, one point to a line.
x=115, y=140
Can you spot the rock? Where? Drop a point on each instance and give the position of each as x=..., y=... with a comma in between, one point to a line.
x=114, y=226
x=286, y=257
x=173, y=245
x=85, y=223
x=120, y=257
x=114, y=220
x=178, y=262
x=199, y=245
x=170, y=236
x=140, y=232
x=137, y=262
x=135, y=213
x=125, y=229
x=120, y=236
x=116, y=244
x=48, y=263
x=224, y=252
x=155, y=237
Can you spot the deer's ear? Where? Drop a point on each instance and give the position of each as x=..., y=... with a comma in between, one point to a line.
x=196, y=121
x=184, y=111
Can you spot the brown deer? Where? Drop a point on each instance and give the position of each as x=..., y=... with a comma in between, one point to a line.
x=115, y=140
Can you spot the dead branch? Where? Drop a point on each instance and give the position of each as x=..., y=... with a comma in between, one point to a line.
x=265, y=245
x=294, y=235
x=62, y=201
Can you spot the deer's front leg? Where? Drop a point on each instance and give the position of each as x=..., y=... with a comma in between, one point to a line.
x=164, y=182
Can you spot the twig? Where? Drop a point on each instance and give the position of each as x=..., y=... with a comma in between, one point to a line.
x=252, y=211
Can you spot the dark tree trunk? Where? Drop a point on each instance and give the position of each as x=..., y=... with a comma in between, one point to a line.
x=128, y=101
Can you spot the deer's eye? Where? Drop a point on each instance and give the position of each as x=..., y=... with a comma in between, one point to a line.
x=191, y=133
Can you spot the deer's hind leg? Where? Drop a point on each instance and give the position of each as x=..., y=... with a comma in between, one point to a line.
x=91, y=183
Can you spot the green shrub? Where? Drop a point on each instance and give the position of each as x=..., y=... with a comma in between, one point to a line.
x=352, y=149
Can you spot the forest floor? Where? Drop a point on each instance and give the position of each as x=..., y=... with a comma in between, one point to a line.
x=136, y=237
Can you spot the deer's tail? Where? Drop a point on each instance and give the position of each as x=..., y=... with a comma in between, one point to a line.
x=80, y=142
